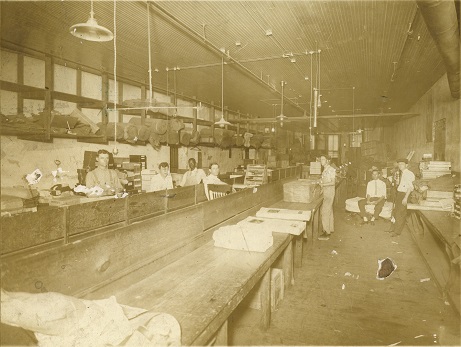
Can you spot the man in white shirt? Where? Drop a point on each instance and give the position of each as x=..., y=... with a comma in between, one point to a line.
x=212, y=178
x=404, y=189
x=193, y=176
x=162, y=180
x=103, y=177
x=376, y=195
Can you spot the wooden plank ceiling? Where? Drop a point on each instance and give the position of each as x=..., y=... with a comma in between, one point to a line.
x=380, y=48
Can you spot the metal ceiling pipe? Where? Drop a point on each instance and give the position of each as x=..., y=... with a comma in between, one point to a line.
x=442, y=22
x=203, y=40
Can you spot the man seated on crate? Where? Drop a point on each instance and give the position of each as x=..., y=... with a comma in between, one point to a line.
x=193, y=176
x=163, y=179
x=376, y=195
x=103, y=177
x=212, y=178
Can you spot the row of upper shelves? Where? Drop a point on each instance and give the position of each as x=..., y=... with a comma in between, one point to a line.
x=72, y=85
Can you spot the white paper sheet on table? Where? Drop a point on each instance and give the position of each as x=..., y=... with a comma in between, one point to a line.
x=274, y=225
x=243, y=238
x=282, y=213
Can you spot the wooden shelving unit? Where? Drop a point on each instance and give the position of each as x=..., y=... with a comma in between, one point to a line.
x=255, y=175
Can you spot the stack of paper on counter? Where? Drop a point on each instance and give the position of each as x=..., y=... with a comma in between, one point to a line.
x=281, y=213
x=274, y=225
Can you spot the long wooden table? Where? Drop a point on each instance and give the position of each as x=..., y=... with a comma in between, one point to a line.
x=312, y=226
x=202, y=289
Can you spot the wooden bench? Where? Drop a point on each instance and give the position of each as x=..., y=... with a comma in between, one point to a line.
x=138, y=250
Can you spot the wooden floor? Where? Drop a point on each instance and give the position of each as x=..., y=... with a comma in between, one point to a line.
x=326, y=307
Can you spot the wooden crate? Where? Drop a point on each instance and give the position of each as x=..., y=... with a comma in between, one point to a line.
x=302, y=190
x=277, y=292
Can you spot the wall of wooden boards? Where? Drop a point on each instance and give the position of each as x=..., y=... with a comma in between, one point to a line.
x=415, y=133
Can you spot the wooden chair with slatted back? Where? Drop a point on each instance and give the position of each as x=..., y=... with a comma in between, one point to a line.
x=214, y=195
x=214, y=191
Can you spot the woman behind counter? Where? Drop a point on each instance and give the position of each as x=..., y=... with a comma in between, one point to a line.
x=328, y=184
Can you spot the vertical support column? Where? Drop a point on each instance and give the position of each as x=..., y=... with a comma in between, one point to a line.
x=221, y=336
x=265, y=289
x=47, y=114
x=49, y=86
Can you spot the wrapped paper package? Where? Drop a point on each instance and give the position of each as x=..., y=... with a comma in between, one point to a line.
x=281, y=213
x=274, y=225
x=61, y=320
x=243, y=238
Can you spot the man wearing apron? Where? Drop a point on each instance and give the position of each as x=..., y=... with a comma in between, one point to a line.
x=328, y=184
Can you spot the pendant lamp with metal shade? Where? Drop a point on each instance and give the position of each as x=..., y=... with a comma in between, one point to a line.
x=91, y=30
x=222, y=122
x=281, y=117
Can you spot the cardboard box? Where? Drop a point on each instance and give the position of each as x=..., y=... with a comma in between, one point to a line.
x=302, y=190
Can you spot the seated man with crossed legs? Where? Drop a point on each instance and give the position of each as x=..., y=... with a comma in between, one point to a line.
x=376, y=195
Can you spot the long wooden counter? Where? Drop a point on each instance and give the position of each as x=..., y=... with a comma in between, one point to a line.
x=437, y=236
x=71, y=251
x=63, y=225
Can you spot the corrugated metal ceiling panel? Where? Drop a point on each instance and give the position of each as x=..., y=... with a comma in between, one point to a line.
x=359, y=43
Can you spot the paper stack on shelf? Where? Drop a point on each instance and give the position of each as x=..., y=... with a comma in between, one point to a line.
x=434, y=169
